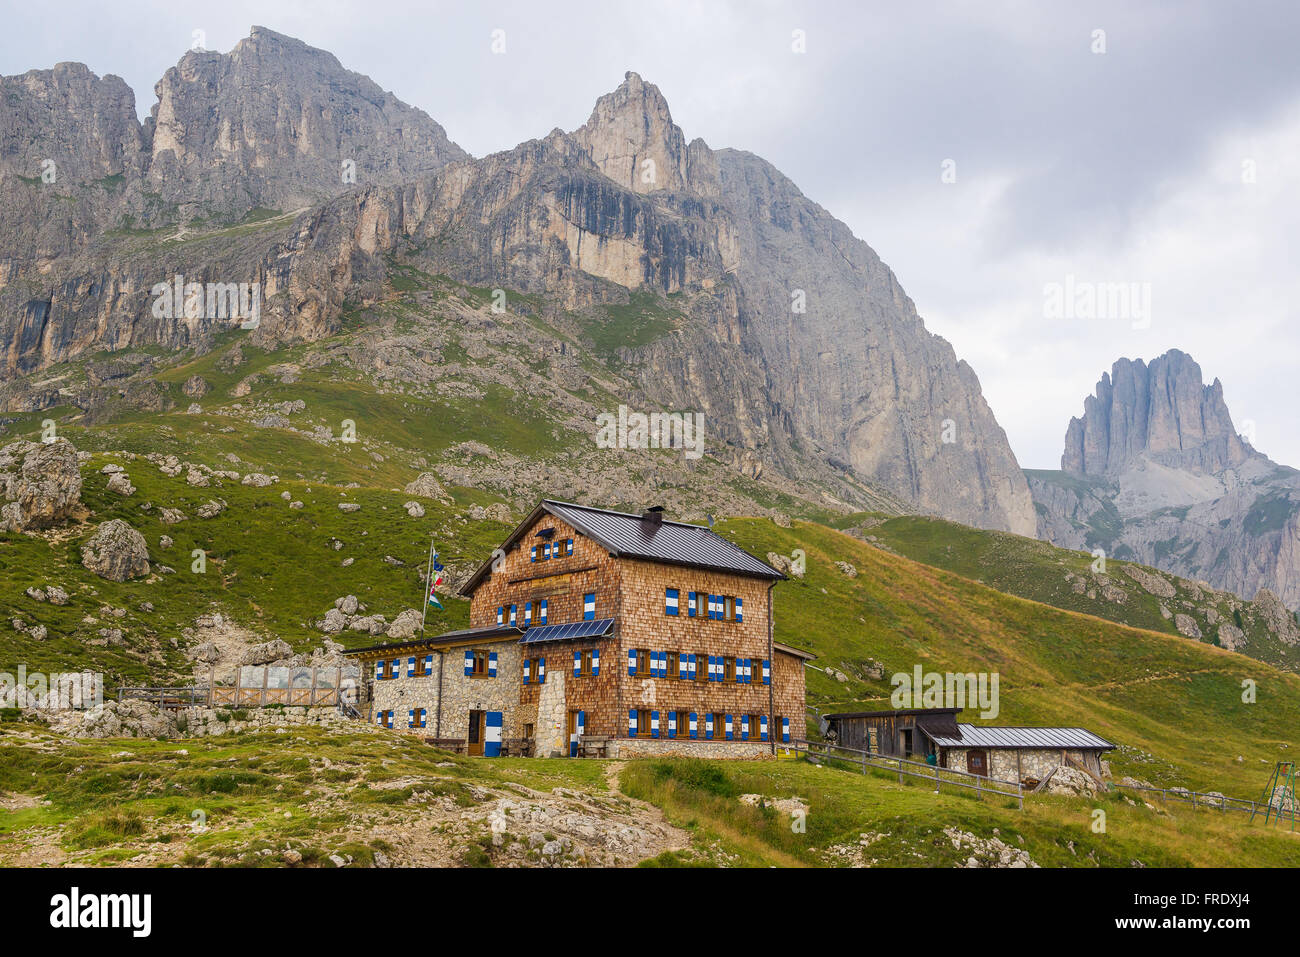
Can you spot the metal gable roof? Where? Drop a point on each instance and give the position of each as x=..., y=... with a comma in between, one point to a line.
x=973, y=736
x=673, y=542
x=625, y=536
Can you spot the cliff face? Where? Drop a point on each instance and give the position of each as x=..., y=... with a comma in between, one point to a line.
x=793, y=337
x=278, y=124
x=1162, y=412
x=1155, y=472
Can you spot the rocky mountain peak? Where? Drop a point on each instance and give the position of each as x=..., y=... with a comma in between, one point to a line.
x=278, y=123
x=1162, y=411
x=632, y=139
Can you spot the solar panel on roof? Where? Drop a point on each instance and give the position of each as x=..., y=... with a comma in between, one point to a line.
x=572, y=629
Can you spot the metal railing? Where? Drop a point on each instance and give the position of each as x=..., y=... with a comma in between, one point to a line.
x=1203, y=799
x=907, y=768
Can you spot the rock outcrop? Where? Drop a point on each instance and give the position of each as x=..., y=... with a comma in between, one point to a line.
x=116, y=551
x=1155, y=472
x=40, y=485
x=1162, y=413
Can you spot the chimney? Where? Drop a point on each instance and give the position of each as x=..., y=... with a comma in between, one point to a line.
x=652, y=518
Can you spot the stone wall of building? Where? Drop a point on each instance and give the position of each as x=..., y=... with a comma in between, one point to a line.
x=1011, y=764
x=678, y=748
x=460, y=693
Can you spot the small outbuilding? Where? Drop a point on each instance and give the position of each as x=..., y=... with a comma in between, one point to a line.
x=1027, y=755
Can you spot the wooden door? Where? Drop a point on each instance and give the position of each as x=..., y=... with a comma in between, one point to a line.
x=977, y=762
x=476, y=731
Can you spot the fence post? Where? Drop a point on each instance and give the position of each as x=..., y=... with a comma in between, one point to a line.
x=900, y=770
x=938, y=781
x=864, y=762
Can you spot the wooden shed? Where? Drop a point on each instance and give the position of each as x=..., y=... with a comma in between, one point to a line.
x=905, y=734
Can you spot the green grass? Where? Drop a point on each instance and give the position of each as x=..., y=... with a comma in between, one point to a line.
x=904, y=824
x=1174, y=705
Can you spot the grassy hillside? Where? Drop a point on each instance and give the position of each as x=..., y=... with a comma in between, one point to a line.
x=313, y=798
x=1066, y=579
x=1174, y=706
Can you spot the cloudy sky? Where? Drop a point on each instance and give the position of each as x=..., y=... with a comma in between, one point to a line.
x=991, y=153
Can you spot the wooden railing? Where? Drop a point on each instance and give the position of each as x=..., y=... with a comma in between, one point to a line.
x=907, y=768
x=171, y=698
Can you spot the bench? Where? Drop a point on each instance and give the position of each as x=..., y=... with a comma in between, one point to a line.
x=456, y=745
x=593, y=746
x=517, y=747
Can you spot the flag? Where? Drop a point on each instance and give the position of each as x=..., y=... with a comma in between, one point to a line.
x=434, y=581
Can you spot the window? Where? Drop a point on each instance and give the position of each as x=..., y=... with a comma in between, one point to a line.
x=643, y=723
x=480, y=663
x=643, y=664
x=683, y=724
x=674, y=665
x=528, y=730
x=585, y=661
x=533, y=671
x=728, y=608
x=729, y=669
x=755, y=727
x=701, y=670
x=422, y=669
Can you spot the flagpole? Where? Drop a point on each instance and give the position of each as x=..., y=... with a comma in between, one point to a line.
x=428, y=586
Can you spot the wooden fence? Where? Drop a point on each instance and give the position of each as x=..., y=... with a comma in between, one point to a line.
x=907, y=768
x=257, y=686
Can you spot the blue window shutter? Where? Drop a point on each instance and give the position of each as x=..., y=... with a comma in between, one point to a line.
x=410, y=667
x=541, y=671
x=631, y=723
x=379, y=671
x=532, y=553
x=740, y=609
x=410, y=718
x=568, y=546
x=469, y=662
x=631, y=661
x=541, y=612
x=577, y=663
x=656, y=670
x=695, y=725
x=582, y=722
x=728, y=727
x=785, y=730
x=654, y=724
x=683, y=665
x=744, y=727
x=527, y=670
x=708, y=726
x=690, y=671
x=713, y=607
x=501, y=614
x=672, y=724
x=767, y=672
x=690, y=604
x=492, y=664
x=670, y=601
x=589, y=606
x=749, y=671
x=762, y=727
x=396, y=670
x=595, y=662
x=514, y=615
x=428, y=664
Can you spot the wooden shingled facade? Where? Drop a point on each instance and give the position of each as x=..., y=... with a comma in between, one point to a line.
x=662, y=614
